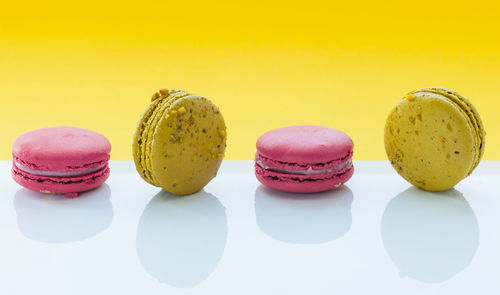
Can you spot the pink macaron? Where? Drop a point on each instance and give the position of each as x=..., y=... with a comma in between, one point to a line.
x=61, y=160
x=304, y=159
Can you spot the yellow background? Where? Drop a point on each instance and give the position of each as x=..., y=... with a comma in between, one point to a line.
x=267, y=64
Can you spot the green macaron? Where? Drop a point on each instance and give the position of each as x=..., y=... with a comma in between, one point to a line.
x=434, y=138
x=179, y=142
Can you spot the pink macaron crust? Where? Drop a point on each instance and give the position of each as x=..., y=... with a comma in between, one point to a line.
x=61, y=160
x=304, y=159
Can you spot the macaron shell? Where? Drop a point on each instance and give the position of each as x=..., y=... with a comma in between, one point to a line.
x=303, y=183
x=188, y=145
x=141, y=136
x=162, y=110
x=160, y=106
x=60, y=185
x=62, y=148
x=472, y=113
x=430, y=141
x=305, y=145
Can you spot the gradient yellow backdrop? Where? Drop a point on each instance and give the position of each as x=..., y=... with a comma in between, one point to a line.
x=267, y=64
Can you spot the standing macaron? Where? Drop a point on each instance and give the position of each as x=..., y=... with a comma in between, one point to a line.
x=61, y=160
x=304, y=159
x=434, y=138
x=179, y=142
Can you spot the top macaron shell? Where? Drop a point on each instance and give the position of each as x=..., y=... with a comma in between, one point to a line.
x=305, y=145
x=61, y=149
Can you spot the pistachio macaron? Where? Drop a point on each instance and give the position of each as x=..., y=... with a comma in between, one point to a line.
x=434, y=138
x=179, y=142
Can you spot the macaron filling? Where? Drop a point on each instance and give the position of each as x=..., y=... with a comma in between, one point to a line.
x=48, y=173
x=308, y=171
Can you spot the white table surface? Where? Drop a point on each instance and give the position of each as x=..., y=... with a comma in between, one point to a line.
x=375, y=235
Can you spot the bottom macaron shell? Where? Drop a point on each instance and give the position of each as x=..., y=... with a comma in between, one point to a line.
x=69, y=186
x=303, y=183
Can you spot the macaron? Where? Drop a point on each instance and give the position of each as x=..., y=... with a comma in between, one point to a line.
x=434, y=138
x=304, y=159
x=179, y=142
x=61, y=160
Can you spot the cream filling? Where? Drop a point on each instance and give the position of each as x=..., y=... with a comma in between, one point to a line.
x=309, y=171
x=59, y=173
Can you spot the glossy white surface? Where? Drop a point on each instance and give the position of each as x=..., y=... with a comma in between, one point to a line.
x=375, y=235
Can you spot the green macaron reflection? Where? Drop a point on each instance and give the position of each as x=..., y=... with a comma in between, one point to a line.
x=430, y=236
x=180, y=240
x=304, y=218
x=57, y=219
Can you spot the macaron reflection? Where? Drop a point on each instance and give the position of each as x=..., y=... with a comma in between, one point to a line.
x=304, y=218
x=57, y=219
x=180, y=240
x=430, y=236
